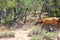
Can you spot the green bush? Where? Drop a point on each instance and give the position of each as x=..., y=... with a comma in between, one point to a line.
x=2, y=21
x=10, y=17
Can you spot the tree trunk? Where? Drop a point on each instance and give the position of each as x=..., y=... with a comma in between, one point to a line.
x=34, y=13
x=40, y=15
x=25, y=18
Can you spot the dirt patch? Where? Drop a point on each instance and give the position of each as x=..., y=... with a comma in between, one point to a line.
x=19, y=35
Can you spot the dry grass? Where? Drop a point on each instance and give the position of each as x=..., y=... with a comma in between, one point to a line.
x=37, y=35
x=7, y=34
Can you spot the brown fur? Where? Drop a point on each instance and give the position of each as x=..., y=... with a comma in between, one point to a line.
x=47, y=21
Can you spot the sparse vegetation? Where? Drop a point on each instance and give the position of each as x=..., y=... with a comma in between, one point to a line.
x=7, y=34
x=35, y=36
x=15, y=14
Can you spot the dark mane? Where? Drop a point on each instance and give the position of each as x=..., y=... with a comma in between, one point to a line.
x=59, y=19
x=39, y=22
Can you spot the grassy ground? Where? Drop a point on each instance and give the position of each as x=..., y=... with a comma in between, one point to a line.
x=7, y=34
x=37, y=35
